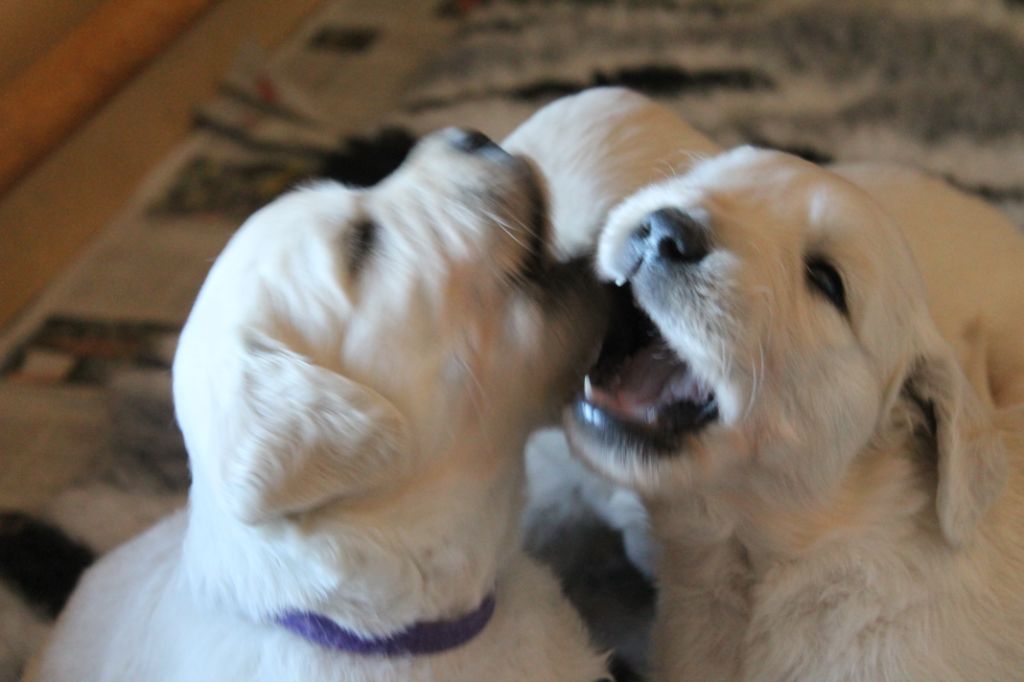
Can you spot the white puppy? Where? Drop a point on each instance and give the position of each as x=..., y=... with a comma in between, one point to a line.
x=355, y=384
x=832, y=499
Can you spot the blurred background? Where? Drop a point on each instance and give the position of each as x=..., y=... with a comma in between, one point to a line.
x=136, y=135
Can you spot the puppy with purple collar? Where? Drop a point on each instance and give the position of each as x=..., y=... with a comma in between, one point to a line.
x=355, y=384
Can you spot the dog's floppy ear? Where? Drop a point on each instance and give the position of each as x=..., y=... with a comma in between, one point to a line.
x=302, y=435
x=970, y=452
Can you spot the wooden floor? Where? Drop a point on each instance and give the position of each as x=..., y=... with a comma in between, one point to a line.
x=52, y=213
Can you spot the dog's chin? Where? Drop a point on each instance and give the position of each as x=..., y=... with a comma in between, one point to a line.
x=640, y=399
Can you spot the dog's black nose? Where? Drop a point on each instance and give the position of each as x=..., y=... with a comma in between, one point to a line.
x=471, y=140
x=672, y=236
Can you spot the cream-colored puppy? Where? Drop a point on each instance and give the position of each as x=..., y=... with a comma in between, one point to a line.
x=832, y=499
x=355, y=384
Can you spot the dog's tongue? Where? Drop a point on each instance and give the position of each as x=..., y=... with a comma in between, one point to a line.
x=649, y=380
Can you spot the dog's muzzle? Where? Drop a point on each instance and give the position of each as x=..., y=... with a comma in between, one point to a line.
x=640, y=390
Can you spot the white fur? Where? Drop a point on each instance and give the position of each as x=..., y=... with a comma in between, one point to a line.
x=354, y=435
x=813, y=533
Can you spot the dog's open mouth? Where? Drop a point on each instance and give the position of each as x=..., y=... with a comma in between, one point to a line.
x=639, y=387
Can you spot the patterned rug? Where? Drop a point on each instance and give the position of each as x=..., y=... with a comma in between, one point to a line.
x=85, y=415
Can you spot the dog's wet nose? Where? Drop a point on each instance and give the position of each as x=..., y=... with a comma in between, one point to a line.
x=672, y=236
x=470, y=140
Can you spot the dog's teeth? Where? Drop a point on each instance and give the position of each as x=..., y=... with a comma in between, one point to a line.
x=620, y=281
x=588, y=390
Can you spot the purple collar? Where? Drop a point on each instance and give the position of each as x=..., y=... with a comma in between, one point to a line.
x=426, y=637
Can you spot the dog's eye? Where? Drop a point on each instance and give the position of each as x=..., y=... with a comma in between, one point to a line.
x=362, y=240
x=823, y=276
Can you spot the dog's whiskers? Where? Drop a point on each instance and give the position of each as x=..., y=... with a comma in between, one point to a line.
x=513, y=227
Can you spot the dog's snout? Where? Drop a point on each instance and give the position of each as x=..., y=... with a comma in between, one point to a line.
x=470, y=140
x=672, y=236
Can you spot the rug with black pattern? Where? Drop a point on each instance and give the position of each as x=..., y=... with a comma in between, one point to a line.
x=84, y=376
